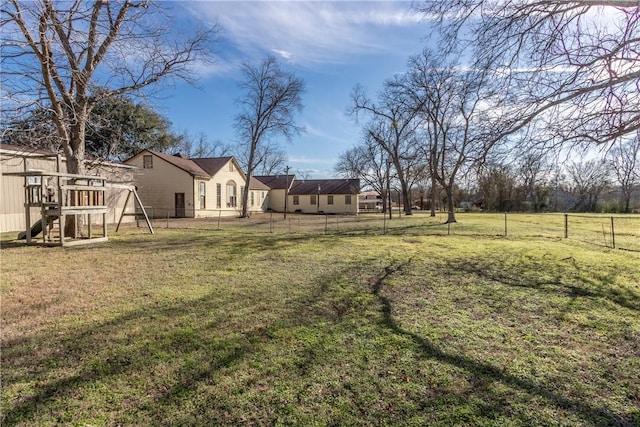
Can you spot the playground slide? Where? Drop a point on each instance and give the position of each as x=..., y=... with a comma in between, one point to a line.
x=35, y=230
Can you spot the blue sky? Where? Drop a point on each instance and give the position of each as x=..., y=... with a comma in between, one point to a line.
x=332, y=46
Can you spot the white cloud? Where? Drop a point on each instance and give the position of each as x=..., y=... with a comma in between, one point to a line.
x=283, y=53
x=309, y=32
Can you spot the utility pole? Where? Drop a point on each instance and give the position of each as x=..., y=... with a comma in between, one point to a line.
x=286, y=189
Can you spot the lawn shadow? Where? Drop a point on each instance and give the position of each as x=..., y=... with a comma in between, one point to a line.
x=188, y=342
x=476, y=368
x=571, y=280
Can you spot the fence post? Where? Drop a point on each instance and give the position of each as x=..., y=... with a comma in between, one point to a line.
x=505, y=224
x=271, y=222
x=566, y=226
x=326, y=223
x=384, y=223
x=448, y=228
x=219, y=215
x=613, y=235
x=167, y=218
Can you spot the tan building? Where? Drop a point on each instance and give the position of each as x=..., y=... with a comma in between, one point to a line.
x=21, y=159
x=174, y=186
x=277, y=185
x=334, y=196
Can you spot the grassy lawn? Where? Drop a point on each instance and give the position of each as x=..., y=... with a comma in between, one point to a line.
x=239, y=326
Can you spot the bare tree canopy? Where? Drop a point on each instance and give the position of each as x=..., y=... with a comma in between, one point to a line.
x=588, y=180
x=271, y=98
x=456, y=119
x=573, y=65
x=393, y=123
x=198, y=146
x=367, y=161
x=625, y=162
x=68, y=56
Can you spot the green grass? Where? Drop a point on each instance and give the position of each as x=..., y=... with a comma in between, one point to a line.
x=197, y=326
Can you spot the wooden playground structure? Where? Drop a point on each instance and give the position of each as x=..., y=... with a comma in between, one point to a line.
x=59, y=196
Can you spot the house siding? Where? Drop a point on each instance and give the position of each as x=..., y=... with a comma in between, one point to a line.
x=261, y=200
x=157, y=187
x=222, y=177
x=276, y=201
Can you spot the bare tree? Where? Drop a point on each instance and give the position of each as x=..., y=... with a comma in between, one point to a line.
x=393, y=123
x=198, y=146
x=269, y=157
x=497, y=186
x=60, y=53
x=455, y=119
x=532, y=169
x=571, y=64
x=588, y=180
x=67, y=56
x=368, y=162
x=271, y=98
x=625, y=162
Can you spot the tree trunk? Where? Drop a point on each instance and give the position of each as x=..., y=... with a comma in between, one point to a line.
x=406, y=195
x=250, y=167
x=404, y=189
x=74, y=224
x=627, y=201
x=245, y=196
x=451, y=206
x=433, y=195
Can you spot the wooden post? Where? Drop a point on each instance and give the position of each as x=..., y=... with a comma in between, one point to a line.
x=566, y=226
x=505, y=224
x=144, y=212
x=124, y=208
x=613, y=235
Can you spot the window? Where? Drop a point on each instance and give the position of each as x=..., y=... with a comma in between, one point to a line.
x=329, y=200
x=203, y=193
x=312, y=199
x=147, y=161
x=230, y=166
x=347, y=199
x=252, y=200
x=232, y=197
x=218, y=196
x=296, y=200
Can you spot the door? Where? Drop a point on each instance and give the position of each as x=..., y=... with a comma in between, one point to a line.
x=179, y=205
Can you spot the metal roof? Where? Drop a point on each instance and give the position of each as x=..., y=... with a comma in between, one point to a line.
x=212, y=164
x=186, y=165
x=325, y=186
x=276, y=182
